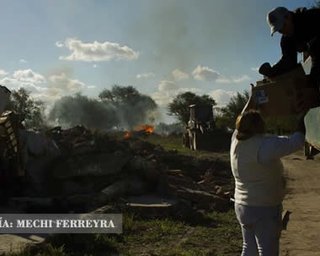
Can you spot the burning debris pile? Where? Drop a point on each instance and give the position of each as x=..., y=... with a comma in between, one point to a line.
x=139, y=131
x=95, y=169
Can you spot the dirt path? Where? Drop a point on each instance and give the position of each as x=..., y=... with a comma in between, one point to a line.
x=303, y=200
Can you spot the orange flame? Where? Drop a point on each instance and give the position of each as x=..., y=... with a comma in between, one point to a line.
x=145, y=127
x=127, y=135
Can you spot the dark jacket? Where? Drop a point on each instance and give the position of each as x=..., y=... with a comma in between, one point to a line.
x=306, y=38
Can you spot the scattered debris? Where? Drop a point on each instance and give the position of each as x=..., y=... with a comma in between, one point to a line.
x=77, y=170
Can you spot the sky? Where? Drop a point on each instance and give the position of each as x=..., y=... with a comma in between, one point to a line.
x=55, y=48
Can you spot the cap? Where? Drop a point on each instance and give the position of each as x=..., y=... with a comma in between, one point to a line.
x=276, y=19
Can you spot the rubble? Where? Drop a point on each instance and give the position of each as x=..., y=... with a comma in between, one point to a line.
x=77, y=170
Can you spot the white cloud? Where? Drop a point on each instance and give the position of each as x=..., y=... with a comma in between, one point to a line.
x=167, y=86
x=42, y=88
x=3, y=73
x=145, y=75
x=255, y=69
x=222, y=97
x=179, y=75
x=27, y=79
x=233, y=80
x=28, y=76
x=10, y=83
x=62, y=81
x=168, y=90
x=97, y=51
x=61, y=84
x=205, y=73
x=59, y=44
x=23, y=61
x=194, y=90
x=241, y=79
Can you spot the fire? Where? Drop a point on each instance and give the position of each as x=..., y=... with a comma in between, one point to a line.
x=139, y=130
x=146, y=128
x=127, y=135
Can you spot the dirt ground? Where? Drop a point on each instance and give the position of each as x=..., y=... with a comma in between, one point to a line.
x=10, y=243
x=302, y=236
x=15, y=242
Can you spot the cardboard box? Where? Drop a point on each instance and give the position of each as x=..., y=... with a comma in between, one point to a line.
x=288, y=94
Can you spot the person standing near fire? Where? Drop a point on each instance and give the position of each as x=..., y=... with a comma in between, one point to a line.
x=300, y=30
x=259, y=183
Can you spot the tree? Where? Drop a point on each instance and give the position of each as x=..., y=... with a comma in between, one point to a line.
x=120, y=94
x=179, y=107
x=133, y=108
x=81, y=110
x=230, y=113
x=30, y=111
x=119, y=107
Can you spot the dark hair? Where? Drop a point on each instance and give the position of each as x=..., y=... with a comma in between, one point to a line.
x=249, y=124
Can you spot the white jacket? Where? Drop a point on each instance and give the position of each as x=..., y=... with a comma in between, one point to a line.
x=257, y=168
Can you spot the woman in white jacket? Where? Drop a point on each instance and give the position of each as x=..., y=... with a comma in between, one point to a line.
x=259, y=184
